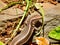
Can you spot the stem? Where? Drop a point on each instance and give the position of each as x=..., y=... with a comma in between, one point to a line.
x=19, y=25
x=10, y=5
x=42, y=13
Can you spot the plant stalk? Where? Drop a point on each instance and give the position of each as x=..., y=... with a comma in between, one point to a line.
x=10, y=5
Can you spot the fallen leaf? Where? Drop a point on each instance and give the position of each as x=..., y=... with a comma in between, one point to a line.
x=42, y=41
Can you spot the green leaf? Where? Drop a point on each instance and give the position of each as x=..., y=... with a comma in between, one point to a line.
x=55, y=33
x=1, y=43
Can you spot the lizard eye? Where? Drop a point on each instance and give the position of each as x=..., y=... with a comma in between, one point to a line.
x=38, y=24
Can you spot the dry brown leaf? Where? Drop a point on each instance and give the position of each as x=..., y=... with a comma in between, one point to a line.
x=42, y=41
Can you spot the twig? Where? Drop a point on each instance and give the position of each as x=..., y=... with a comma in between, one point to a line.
x=19, y=25
x=42, y=13
x=10, y=5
